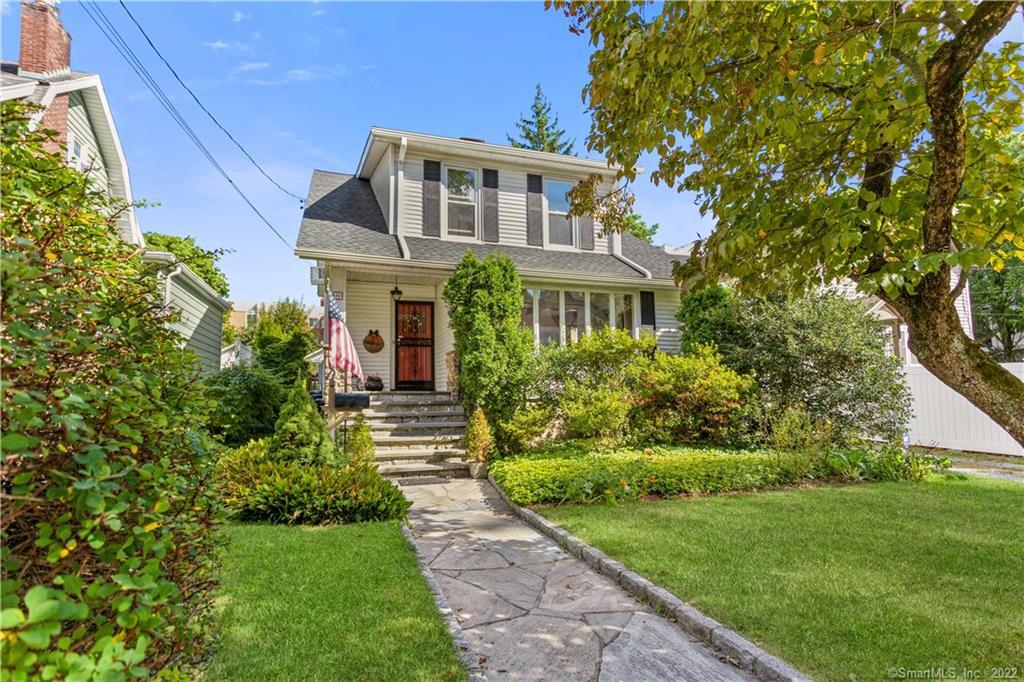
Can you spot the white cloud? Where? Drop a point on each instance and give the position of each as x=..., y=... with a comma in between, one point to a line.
x=252, y=66
x=303, y=75
x=239, y=17
x=140, y=96
x=234, y=46
x=319, y=12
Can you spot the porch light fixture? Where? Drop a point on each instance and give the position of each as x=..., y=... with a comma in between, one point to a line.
x=396, y=293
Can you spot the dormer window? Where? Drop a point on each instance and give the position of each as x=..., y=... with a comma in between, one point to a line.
x=559, y=220
x=461, y=184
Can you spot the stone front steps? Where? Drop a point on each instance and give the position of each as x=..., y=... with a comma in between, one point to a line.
x=418, y=434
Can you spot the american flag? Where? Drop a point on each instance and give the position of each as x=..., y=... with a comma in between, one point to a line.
x=342, y=350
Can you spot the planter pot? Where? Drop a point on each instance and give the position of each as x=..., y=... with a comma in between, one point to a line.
x=374, y=385
x=478, y=469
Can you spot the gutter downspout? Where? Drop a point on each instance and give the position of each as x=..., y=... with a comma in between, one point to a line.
x=167, y=284
x=400, y=175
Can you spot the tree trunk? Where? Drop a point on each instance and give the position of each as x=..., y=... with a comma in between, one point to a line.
x=940, y=344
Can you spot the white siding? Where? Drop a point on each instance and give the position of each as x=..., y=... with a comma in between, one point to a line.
x=200, y=322
x=80, y=130
x=444, y=341
x=511, y=204
x=380, y=181
x=666, y=303
x=368, y=305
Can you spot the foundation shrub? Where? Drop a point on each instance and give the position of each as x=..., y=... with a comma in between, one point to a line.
x=257, y=488
x=300, y=434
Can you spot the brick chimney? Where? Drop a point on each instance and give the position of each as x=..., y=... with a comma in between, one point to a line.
x=45, y=43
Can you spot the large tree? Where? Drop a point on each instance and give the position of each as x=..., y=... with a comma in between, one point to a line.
x=188, y=251
x=997, y=301
x=829, y=140
x=540, y=131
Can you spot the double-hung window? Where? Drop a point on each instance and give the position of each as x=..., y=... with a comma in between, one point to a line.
x=559, y=220
x=461, y=185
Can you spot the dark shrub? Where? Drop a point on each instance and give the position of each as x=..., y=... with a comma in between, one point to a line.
x=108, y=510
x=300, y=434
x=246, y=403
x=256, y=488
x=821, y=352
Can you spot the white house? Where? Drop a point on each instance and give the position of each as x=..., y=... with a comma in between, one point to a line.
x=74, y=104
x=389, y=236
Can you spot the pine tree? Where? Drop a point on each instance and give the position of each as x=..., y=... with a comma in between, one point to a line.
x=300, y=434
x=541, y=131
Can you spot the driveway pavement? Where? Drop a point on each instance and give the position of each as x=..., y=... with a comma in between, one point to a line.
x=536, y=613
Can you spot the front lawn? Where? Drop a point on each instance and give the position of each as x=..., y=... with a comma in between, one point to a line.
x=844, y=582
x=327, y=603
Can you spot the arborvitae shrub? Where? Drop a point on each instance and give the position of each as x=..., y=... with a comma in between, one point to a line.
x=479, y=441
x=300, y=434
x=359, y=446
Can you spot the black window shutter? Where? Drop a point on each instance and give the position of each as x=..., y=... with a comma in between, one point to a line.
x=489, y=199
x=534, y=210
x=586, y=223
x=432, y=198
x=647, y=308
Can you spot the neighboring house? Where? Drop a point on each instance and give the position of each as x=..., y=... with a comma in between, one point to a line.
x=389, y=236
x=235, y=355
x=74, y=104
x=885, y=314
x=243, y=314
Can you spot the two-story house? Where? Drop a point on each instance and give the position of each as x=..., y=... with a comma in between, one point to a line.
x=389, y=236
x=74, y=104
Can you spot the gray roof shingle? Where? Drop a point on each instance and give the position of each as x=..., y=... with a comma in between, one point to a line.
x=342, y=215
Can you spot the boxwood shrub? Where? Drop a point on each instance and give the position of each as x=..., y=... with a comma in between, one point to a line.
x=256, y=488
x=569, y=475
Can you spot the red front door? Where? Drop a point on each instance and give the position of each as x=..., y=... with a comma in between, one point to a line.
x=414, y=345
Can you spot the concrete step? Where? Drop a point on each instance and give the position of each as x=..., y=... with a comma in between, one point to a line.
x=417, y=453
x=449, y=469
x=407, y=397
x=437, y=428
x=397, y=414
x=448, y=440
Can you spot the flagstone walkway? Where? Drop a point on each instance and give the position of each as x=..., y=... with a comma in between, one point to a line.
x=533, y=611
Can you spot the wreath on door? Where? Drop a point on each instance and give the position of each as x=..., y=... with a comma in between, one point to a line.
x=374, y=342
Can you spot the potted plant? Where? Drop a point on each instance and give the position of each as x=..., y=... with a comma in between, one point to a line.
x=479, y=443
x=374, y=383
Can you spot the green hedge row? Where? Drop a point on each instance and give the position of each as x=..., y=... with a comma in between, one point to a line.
x=624, y=475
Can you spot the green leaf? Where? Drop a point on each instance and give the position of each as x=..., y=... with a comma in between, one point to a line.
x=11, y=618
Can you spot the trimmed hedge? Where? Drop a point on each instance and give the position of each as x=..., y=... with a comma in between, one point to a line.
x=256, y=488
x=568, y=476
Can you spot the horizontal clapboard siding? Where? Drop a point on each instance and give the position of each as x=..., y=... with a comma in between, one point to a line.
x=80, y=129
x=666, y=303
x=511, y=204
x=199, y=324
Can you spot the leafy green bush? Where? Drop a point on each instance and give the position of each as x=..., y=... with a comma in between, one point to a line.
x=257, y=488
x=600, y=412
x=300, y=434
x=527, y=427
x=888, y=463
x=109, y=514
x=281, y=339
x=246, y=403
x=485, y=302
x=590, y=477
x=479, y=441
x=613, y=388
x=359, y=446
x=822, y=352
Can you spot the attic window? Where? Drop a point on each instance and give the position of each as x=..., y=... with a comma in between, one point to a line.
x=75, y=154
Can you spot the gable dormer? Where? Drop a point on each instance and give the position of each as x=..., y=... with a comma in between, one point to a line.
x=465, y=190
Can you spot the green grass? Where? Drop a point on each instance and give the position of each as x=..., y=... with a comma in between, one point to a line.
x=327, y=603
x=842, y=582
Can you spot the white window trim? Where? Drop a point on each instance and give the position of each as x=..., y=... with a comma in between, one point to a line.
x=573, y=221
x=478, y=178
x=587, y=326
x=73, y=162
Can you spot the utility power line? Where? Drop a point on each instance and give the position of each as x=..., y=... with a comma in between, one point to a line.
x=202, y=106
x=111, y=33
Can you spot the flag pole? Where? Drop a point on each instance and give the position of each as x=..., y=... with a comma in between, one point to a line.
x=330, y=371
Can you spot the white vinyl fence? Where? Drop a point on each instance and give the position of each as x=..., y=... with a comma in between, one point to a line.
x=944, y=419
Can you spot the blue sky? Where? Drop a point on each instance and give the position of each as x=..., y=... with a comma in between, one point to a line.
x=299, y=84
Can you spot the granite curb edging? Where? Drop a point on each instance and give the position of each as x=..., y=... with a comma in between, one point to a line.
x=463, y=649
x=736, y=648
